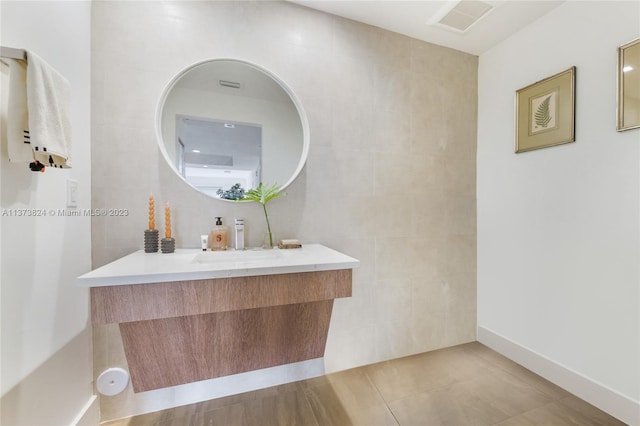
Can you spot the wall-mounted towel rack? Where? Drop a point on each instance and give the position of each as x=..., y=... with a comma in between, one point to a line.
x=12, y=53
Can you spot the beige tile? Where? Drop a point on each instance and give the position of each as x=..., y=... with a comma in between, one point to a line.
x=355, y=388
x=390, y=173
x=392, y=88
x=351, y=79
x=391, y=131
x=357, y=311
x=456, y=405
x=409, y=256
x=598, y=416
x=460, y=215
x=428, y=333
x=224, y=416
x=214, y=404
x=460, y=326
x=506, y=392
x=393, y=299
x=283, y=408
x=485, y=399
x=406, y=376
x=532, y=379
x=430, y=214
x=394, y=338
x=349, y=348
x=353, y=218
x=344, y=133
x=559, y=414
x=391, y=51
x=349, y=398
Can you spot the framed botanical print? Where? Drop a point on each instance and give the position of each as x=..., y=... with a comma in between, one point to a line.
x=629, y=86
x=545, y=112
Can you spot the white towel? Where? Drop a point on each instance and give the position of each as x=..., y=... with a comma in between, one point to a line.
x=48, y=103
x=14, y=111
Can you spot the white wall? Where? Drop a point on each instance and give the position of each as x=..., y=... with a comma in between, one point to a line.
x=46, y=373
x=558, y=230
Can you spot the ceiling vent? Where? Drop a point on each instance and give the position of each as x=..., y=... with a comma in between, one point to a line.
x=459, y=16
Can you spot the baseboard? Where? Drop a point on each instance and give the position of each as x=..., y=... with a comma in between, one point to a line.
x=90, y=413
x=606, y=399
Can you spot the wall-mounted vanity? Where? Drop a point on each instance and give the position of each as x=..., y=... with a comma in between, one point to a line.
x=194, y=315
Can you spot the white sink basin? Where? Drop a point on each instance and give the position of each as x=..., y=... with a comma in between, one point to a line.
x=242, y=256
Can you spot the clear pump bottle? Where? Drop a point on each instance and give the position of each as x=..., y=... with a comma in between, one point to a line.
x=218, y=236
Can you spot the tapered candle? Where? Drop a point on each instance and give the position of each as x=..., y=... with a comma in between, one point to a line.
x=167, y=221
x=152, y=213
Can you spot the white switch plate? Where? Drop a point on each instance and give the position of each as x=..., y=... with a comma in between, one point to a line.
x=72, y=193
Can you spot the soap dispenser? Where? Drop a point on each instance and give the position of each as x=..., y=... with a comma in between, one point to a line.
x=218, y=236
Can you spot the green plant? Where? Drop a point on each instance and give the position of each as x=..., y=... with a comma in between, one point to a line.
x=263, y=194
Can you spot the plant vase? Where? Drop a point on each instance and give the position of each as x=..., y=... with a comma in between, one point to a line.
x=267, y=240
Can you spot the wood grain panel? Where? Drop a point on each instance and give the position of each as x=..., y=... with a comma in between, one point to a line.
x=343, y=283
x=123, y=303
x=172, y=351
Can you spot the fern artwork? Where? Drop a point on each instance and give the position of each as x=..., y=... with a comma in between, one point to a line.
x=543, y=111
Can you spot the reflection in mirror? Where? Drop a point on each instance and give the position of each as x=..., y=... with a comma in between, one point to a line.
x=226, y=125
x=629, y=86
x=214, y=155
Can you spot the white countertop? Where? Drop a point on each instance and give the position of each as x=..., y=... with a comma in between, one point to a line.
x=195, y=264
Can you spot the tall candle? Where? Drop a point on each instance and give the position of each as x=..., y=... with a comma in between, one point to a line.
x=167, y=221
x=152, y=213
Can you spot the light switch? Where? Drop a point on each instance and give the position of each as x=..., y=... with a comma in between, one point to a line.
x=72, y=193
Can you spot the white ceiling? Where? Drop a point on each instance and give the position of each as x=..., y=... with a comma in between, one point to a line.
x=410, y=18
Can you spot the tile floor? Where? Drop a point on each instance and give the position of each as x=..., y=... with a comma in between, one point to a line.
x=463, y=385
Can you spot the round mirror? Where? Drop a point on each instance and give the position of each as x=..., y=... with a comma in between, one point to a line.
x=225, y=125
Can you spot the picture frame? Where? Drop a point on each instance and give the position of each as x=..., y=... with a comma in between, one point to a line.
x=545, y=112
x=628, y=111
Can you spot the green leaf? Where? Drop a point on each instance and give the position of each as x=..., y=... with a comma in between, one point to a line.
x=263, y=194
x=543, y=114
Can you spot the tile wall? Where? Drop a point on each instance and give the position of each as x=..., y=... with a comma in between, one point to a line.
x=390, y=178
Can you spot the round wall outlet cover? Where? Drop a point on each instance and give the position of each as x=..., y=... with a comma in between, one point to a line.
x=112, y=381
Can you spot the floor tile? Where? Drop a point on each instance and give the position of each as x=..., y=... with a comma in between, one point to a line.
x=506, y=392
x=559, y=414
x=517, y=370
x=456, y=405
x=349, y=397
x=589, y=410
x=224, y=416
x=281, y=409
x=410, y=375
x=468, y=384
x=330, y=409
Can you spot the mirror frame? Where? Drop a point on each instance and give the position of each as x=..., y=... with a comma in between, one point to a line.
x=621, y=125
x=294, y=98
